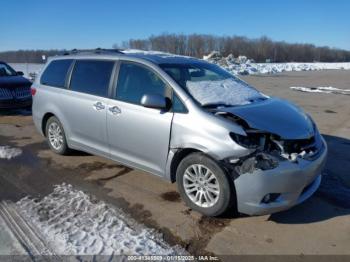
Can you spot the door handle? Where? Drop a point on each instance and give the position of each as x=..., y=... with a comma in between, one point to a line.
x=115, y=110
x=98, y=106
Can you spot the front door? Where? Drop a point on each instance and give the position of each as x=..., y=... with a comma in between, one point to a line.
x=138, y=136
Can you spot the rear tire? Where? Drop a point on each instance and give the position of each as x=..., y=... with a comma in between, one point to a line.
x=56, y=137
x=204, y=185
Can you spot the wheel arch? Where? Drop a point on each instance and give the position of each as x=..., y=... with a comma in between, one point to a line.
x=177, y=158
x=44, y=121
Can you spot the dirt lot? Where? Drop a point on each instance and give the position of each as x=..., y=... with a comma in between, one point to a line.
x=321, y=225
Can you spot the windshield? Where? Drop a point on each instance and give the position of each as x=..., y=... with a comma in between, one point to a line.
x=211, y=85
x=6, y=70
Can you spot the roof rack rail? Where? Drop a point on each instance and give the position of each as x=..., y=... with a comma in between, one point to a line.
x=95, y=51
x=115, y=50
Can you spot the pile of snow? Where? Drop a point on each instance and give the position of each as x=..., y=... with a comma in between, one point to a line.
x=73, y=223
x=322, y=89
x=240, y=65
x=30, y=70
x=244, y=66
x=7, y=152
x=226, y=92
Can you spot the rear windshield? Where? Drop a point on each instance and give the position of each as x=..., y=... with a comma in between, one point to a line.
x=210, y=85
x=55, y=73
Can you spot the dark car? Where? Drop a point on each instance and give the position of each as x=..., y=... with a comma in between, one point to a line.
x=14, y=88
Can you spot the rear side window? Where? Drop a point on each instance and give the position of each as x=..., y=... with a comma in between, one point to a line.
x=135, y=81
x=55, y=73
x=91, y=77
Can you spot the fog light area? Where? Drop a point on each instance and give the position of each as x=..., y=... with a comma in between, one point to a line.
x=270, y=198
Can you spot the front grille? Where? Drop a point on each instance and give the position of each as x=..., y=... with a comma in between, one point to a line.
x=15, y=93
x=21, y=92
x=5, y=94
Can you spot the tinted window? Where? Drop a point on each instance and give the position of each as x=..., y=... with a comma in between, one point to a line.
x=178, y=106
x=135, y=81
x=91, y=77
x=6, y=70
x=56, y=72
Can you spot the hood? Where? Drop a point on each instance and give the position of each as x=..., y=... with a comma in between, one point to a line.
x=14, y=81
x=275, y=116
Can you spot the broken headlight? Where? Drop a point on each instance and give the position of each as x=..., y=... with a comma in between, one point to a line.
x=251, y=141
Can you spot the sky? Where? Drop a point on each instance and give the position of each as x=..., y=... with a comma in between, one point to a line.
x=64, y=24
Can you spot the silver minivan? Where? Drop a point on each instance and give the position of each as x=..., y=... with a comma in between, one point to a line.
x=225, y=144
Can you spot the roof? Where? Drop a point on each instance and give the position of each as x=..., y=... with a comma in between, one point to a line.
x=151, y=56
x=163, y=58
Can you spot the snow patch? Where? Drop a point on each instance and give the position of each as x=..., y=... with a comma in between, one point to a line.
x=7, y=152
x=74, y=223
x=30, y=70
x=244, y=66
x=240, y=65
x=322, y=89
x=227, y=92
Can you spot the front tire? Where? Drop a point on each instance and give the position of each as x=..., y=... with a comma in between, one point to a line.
x=56, y=137
x=204, y=185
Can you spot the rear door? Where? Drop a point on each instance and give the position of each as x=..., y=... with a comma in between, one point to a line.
x=138, y=136
x=85, y=105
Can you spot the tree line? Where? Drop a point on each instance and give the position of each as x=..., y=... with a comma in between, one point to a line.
x=197, y=45
x=28, y=56
x=260, y=49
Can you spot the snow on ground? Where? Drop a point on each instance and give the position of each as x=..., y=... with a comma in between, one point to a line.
x=9, y=245
x=322, y=89
x=243, y=66
x=7, y=152
x=236, y=65
x=74, y=223
x=29, y=69
x=227, y=92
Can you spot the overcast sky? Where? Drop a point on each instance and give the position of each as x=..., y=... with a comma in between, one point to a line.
x=59, y=24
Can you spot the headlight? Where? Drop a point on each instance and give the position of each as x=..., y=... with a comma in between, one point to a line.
x=251, y=141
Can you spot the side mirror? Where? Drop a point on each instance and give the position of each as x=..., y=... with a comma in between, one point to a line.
x=154, y=101
x=20, y=73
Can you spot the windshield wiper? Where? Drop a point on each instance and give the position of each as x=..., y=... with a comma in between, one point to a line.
x=215, y=105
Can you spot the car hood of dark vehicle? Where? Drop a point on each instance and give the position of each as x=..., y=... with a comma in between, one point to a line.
x=14, y=81
x=275, y=116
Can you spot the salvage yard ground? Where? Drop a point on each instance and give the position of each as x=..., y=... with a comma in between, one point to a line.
x=321, y=225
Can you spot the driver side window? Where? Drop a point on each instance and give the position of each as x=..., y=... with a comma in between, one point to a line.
x=135, y=80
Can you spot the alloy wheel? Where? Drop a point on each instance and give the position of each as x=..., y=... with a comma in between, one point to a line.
x=55, y=136
x=201, y=185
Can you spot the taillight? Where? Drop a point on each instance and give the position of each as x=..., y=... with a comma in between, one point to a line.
x=33, y=91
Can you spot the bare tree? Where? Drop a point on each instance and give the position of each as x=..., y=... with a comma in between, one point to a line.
x=198, y=45
x=258, y=49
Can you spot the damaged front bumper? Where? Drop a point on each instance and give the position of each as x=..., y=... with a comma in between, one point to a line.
x=291, y=182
